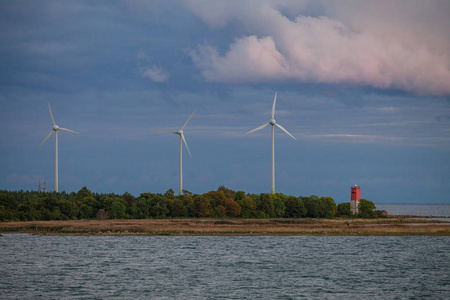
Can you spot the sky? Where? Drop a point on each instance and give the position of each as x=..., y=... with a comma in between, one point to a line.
x=364, y=86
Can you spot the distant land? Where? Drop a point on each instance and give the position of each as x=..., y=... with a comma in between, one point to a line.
x=234, y=227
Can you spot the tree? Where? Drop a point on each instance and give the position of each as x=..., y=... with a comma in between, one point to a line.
x=83, y=192
x=66, y=208
x=312, y=206
x=239, y=196
x=102, y=214
x=227, y=192
x=343, y=210
x=169, y=194
x=248, y=207
x=129, y=199
x=294, y=207
x=279, y=207
x=266, y=205
x=106, y=202
x=219, y=211
x=188, y=206
x=366, y=209
x=233, y=209
x=175, y=208
x=202, y=206
x=316, y=207
x=117, y=210
x=216, y=198
x=329, y=207
x=85, y=212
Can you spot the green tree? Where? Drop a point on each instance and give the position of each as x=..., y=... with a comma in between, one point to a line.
x=294, y=207
x=323, y=207
x=83, y=193
x=129, y=199
x=66, y=208
x=239, y=195
x=279, y=207
x=176, y=208
x=117, y=210
x=85, y=212
x=56, y=215
x=343, y=210
x=169, y=194
x=312, y=206
x=329, y=207
x=188, y=206
x=248, y=207
x=366, y=209
x=265, y=205
x=160, y=209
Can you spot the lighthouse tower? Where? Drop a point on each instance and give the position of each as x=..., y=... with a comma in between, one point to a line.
x=354, y=199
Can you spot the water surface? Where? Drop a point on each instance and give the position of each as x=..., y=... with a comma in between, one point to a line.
x=54, y=267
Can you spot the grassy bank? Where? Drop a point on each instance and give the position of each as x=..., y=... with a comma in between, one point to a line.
x=364, y=227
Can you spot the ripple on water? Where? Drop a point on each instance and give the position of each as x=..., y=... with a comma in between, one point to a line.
x=36, y=267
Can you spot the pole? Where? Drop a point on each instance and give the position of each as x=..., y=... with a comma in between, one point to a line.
x=273, y=162
x=181, y=166
x=56, y=161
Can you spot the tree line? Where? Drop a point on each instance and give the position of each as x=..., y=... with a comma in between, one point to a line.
x=222, y=203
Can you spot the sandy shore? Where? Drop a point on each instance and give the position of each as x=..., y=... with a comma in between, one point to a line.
x=244, y=227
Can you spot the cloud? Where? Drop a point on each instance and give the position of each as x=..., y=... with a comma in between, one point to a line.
x=154, y=72
x=249, y=60
x=372, y=44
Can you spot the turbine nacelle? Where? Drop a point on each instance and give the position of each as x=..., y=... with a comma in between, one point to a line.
x=272, y=122
x=55, y=127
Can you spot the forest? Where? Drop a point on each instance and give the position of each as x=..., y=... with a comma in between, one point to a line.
x=223, y=203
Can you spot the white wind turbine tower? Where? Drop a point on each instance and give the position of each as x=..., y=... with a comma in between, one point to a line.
x=182, y=139
x=273, y=122
x=55, y=129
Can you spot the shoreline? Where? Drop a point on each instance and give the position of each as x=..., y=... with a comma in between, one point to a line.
x=390, y=226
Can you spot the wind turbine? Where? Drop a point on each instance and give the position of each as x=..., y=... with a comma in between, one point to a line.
x=273, y=122
x=182, y=139
x=55, y=129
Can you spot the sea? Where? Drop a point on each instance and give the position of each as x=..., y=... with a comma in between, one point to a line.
x=224, y=267
x=417, y=209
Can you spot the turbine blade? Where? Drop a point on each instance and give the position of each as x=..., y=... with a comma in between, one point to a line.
x=273, y=106
x=287, y=132
x=175, y=132
x=184, y=140
x=45, y=138
x=51, y=115
x=188, y=120
x=68, y=130
x=258, y=128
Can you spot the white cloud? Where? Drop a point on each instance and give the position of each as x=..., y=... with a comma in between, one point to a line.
x=403, y=45
x=248, y=60
x=155, y=73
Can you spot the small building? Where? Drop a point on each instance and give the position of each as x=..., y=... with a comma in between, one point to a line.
x=354, y=199
x=382, y=213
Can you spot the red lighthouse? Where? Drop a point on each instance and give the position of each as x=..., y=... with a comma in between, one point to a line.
x=354, y=199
